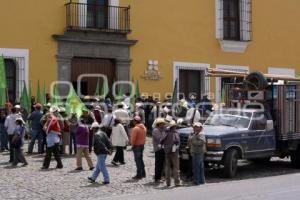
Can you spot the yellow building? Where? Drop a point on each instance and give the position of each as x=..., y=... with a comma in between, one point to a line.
x=153, y=41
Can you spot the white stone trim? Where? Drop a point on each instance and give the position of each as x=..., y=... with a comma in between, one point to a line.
x=282, y=71
x=19, y=53
x=192, y=66
x=245, y=16
x=219, y=19
x=236, y=68
x=233, y=46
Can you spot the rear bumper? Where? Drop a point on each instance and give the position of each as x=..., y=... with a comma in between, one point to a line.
x=214, y=156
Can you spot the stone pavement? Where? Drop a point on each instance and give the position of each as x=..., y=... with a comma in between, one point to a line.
x=32, y=183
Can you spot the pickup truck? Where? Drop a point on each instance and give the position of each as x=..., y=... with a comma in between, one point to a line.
x=243, y=130
x=233, y=134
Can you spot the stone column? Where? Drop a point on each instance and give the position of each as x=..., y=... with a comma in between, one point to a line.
x=64, y=74
x=123, y=71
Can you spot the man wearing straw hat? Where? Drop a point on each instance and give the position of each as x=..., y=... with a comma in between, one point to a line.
x=170, y=143
x=197, y=144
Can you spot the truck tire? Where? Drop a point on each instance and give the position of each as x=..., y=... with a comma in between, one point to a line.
x=256, y=81
x=230, y=163
x=295, y=158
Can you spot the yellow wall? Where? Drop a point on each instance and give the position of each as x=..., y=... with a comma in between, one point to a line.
x=166, y=30
x=173, y=30
x=30, y=24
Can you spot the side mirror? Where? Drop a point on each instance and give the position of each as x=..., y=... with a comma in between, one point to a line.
x=270, y=125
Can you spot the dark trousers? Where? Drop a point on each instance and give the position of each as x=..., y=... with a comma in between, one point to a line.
x=72, y=143
x=44, y=143
x=19, y=156
x=119, y=156
x=3, y=138
x=91, y=141
x=198, y=168
x=138, y=158
x=55, y=150
x=159, y=164
x=11, y=149
x=36, y=134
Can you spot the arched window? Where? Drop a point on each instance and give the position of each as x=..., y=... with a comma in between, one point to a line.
x=11, y=78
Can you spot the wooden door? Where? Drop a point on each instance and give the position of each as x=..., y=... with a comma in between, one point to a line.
x=91, y=66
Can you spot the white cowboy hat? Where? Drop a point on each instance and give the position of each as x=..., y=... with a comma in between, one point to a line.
x=54, y=109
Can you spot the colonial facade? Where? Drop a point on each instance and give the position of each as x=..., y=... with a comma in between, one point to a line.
x=153, y=41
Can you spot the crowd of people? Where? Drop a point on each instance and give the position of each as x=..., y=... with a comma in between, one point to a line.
x=104, y=128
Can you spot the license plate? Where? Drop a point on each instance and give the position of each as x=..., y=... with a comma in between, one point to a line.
x=185, y=156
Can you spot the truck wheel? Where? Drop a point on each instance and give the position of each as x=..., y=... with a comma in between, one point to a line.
x=256, y=81
x=230, y=163
x=295, y=158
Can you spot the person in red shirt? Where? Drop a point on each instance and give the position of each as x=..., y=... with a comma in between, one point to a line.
x=53, y=131
x=138, y=139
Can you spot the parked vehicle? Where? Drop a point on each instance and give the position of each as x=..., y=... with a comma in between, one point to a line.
x=261, y=120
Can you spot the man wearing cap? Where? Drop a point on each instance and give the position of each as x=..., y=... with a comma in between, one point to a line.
x=10, y=126
x=197, y=145
x=102, y=147
x=36, y=128
x=170, y=143
x=138, y=139
x=157, y=135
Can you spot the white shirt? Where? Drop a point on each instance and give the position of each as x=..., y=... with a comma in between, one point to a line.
x=189, y=116
x=122, y=115
x=108, y=120
x=10, y=123
x=119, y=136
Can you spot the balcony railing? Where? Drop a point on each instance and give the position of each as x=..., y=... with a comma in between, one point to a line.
x=97, y=17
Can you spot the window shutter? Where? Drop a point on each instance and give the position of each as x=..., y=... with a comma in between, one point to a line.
x=245, y=19
x=82, y=13
x=207, y=85
x=113, y=15
x=219, y=19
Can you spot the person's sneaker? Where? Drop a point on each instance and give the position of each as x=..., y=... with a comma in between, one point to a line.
x=122, y=163
x=59, y=166
x=137, y=177
x=114, y=163
x=44, y=168
x=91, y=179
x=105, y=182
x=79, y=169
x=92, y=168
x=25, y=164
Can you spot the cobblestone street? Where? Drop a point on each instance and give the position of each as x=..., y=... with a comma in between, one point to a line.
x=32, y=183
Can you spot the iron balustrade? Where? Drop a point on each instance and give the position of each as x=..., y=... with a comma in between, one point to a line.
x=98, y=17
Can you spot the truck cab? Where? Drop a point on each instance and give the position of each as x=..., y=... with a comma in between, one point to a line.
x=260, y=119
x=233, y=134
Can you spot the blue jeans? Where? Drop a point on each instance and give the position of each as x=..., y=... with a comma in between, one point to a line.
x=36, y=134
x=101, y=167
x=3, y=138
x=198, y=168
x=138, y=158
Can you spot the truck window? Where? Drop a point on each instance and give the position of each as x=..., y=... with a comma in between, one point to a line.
x=259, y=121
